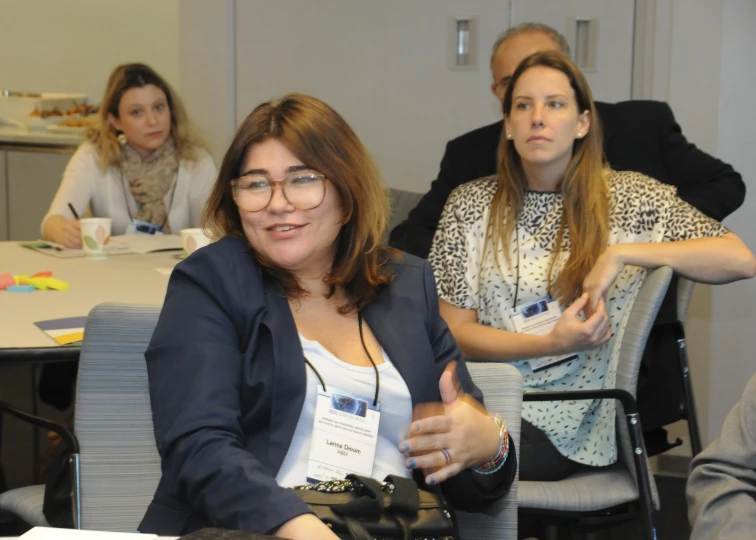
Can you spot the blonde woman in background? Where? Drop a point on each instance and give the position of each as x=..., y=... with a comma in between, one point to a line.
x=143, y=164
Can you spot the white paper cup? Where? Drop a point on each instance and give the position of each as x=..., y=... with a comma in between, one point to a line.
x=192, y=240
x=95, y=235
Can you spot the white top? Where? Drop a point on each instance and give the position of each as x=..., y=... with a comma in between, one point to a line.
x=86, y=183
x=641, y=210
x=396, y=412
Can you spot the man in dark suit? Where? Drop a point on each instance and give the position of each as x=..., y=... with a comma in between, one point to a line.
x=639, y=136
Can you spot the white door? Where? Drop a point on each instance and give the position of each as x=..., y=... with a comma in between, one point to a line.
x=600, y=33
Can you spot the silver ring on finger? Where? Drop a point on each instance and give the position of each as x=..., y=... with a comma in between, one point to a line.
x=447, y=455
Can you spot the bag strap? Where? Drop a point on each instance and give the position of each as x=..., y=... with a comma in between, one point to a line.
x=356, y=529
x=369, y=506
x=405, y=499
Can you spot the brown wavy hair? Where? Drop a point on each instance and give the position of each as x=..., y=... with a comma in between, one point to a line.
x=103, y=135
x=321, y=139
x=583, y=187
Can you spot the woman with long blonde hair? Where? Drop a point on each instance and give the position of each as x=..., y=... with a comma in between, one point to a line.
x=540, y=264
x=143, y=164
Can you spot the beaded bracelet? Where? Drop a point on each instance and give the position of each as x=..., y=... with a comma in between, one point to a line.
x=501, y=457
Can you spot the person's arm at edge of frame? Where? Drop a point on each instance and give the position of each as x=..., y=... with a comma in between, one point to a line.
x=707, y=183
x=468, y=490
x=721, y=488
x=196, y=404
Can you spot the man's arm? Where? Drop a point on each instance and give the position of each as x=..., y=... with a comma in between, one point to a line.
x=469, y=157
x=722, y=485
x=415, y=234
x=710, y=185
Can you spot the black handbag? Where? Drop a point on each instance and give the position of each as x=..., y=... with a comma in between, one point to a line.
x=360, y=508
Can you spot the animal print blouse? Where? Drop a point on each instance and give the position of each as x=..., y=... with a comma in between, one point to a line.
x=641, y=210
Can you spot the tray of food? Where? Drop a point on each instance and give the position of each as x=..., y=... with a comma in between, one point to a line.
x=73, y=124
x=38, y=111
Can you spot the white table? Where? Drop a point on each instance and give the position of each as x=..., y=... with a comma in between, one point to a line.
x=130, y=279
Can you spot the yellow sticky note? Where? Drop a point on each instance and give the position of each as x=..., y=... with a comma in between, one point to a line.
x=56, y=284
x=21, y=279
x=39, y=283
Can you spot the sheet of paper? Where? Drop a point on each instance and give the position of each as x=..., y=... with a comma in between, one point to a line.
x=165, y=270
x=68, y=331
x=147, y=243
x=56, y=250
x=51, y=533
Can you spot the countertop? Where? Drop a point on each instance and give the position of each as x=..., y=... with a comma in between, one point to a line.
x=17, y=136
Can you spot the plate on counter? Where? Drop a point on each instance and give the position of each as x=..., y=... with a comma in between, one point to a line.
x=69, y=130
x=37, y=122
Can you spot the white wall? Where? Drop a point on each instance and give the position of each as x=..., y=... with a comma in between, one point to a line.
x=709, y=84
x=733, y=342
x=381, y=65
x=208, y=68
x=72, y=46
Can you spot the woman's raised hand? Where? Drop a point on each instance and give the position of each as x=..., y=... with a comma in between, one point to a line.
x=570, y=334
x=602, y=275
x=448, y=437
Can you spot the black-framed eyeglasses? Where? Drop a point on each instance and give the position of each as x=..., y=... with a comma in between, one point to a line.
x=304, y=190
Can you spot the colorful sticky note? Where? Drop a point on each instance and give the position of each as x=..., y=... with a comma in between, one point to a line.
x=46, y=273
x=56, y=284
x=7, y=279
x=21, y=279
x=39, y=283
x=21, y=288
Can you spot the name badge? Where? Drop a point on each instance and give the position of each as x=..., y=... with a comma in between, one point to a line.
x=138, y=226
x=538, y=318
x=344, y=436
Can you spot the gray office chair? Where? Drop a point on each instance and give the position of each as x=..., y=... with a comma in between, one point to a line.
x=401, y=203
x=501, y=385
x=118, y=463
x=688, y=406
x=601, y=498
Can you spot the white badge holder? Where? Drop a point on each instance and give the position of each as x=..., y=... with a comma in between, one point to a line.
x=538, y=318
x=344, y=435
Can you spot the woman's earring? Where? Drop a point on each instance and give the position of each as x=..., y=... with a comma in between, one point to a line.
x=509, y=135
x=122, y=139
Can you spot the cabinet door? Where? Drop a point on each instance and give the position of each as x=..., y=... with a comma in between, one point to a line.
x=33, y=179
x=3, y=199
x=610, y=76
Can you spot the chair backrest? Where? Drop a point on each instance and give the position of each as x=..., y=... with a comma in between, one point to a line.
x=120, y=465
x=401, y=204
x=640, y=320
x=502, y=387
x=684, y=296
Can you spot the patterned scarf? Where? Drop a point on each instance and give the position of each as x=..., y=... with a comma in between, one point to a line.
x=150, y=179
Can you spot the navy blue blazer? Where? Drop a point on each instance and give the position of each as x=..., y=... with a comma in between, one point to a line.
x=227, y=384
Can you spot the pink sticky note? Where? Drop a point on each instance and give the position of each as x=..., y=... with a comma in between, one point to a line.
x=6, y=280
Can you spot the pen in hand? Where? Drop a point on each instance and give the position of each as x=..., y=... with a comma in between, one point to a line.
x=73, y=211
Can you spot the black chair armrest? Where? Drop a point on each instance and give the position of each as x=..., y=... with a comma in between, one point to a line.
x=623, y=396
x=66, y=434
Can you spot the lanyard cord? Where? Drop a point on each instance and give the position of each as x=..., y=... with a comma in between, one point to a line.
x=170, y=203
x=517, y=278
x=375, y=367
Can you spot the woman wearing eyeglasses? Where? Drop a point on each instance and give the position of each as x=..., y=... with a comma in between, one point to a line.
x=297, y=315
